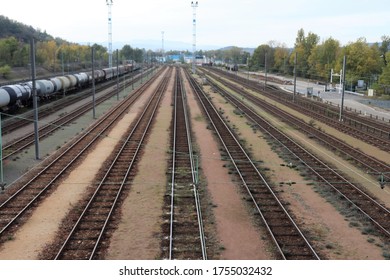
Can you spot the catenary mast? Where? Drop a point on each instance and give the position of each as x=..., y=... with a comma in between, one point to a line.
x=109, y=4
x=194, y=6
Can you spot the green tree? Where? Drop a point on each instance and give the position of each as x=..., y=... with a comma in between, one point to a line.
x=127, y=52
x=281, y=55
x=303, y=47
x=5, y=71
x=257, y=61
x=323, y=58
x=384, y=48
x=384, y=78
x=8, y=49
x=363, y=61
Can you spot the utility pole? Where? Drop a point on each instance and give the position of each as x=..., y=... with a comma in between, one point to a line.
x=295, y=77
x=343, y=90
x=194, y=6
x=162, y=47
x=117, y=74
x=93, y=82
x=265, y=69
x=34, y=96
x=109, y=4
x=2, y=183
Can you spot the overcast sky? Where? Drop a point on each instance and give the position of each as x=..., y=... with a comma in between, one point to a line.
x=243, y=23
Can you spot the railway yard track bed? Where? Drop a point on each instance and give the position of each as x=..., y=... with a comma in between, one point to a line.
x=232, y=227
x=312, y=211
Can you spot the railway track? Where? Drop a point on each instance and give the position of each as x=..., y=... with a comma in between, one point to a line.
x=87, y=237
x=368, y=163
x=372, y=131
x=12, y=123
x=30, y=190
x=17, y=145
x=186, y=234
x=322, y=172
x=288, y=239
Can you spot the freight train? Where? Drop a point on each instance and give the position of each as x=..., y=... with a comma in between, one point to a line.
x=19, y=95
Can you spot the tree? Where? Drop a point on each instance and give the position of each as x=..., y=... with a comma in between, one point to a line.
x=46, y=53
x=5, y=71
x=384, y=48
x=384, y=78
x=257, y=61
x=234, y=55
x=127, y=52
x=323, y=58
x=8, y=48
x=281, y=54
x=303, y=48
x=363, y=61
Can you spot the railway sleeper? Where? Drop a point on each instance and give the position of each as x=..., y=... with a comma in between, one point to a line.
x=88, y=234
x=75, y=255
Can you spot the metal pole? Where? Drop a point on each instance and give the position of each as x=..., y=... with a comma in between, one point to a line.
x=132, y=75
x=35, y=99
x=62, y=63
x=162, y=50
x=117, y=74
x=295, y=77
x=2, y=184
x=343, y=90
x=109, y=4
x=247, y=65
x=124, y=84
x=194, y=6
x=93, y=82
x=265, y=69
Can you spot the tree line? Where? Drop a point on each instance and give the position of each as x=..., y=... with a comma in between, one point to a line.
x=54, y=54
x=369, y=62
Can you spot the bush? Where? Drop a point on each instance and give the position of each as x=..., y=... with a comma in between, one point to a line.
x=5, y=71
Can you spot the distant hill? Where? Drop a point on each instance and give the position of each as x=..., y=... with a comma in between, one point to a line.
x=20, y=31
x=249, y=50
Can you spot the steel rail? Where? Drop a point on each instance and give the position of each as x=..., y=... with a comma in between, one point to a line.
x=27, y=140
x=148, y=114
x=379, y=126
x=369, y=162
x=109, y=117
x=194, y=171
x=255, y=118
x=179, y=92
x=204, y=100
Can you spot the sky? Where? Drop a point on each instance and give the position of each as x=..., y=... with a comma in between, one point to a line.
x=242, y=23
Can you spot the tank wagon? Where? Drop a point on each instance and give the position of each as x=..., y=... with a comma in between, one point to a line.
x=19, y=95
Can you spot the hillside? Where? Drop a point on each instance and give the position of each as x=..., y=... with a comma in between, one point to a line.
x=22, y=32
